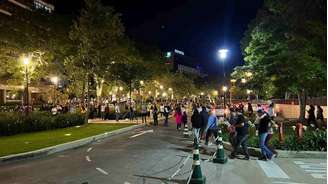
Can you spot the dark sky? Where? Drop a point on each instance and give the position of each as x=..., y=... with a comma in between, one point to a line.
x=197, y=27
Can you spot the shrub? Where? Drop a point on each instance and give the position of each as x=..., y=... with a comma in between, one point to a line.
x=15, y=123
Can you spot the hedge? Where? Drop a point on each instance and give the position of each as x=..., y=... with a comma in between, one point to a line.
x=14, y=123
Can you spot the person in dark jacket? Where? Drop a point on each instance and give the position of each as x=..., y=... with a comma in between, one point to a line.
x=311, y=117
x=184, y=118
x=241, y=126
x=263, y=128
x=204, y=120
x=196, y=122
x=249, y=109
x=155, y=115
x=320, y=118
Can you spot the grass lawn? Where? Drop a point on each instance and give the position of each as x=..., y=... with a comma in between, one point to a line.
x=37, y=140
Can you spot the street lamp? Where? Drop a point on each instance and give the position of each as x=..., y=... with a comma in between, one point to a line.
x=224, y=89
x=249, y=74
x=161, y=86
x=141, y=82
x=248, y=91
x=26, y=61
x=223, y=55
x=243, y=80
x=54, y=80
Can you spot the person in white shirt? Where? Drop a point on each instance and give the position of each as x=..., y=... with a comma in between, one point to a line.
x=117, y=112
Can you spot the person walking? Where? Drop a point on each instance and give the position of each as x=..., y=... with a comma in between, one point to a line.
x=107, y=112
x=269, y=137
x=166, y=115
x=204, y=120
x=241, y=127
x=155, y=115
x=144, y=113
x=184, y=118
x=249, y=109
x=161, y=110
x=271, y=112
x=320, y=118
x=311, y=117
x=211, y=128
x=196, y=123
x=178, y=117
x=102, y=111
x=117, y=112
x=264, y=121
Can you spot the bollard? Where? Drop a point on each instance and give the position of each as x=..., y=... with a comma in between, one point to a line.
x=220, y=156
x=186, y=131
x=299, y=131
x=281, y=133
x=197, y=176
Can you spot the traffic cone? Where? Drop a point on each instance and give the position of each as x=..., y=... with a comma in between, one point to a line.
x=220, y=156
x=197, y=176
x=186, y=131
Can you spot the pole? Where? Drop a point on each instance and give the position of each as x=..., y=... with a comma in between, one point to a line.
x=224, y=99
x=26, y=91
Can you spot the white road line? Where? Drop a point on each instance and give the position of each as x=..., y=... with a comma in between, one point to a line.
x=89, y=149
x=179, y=169
x=315, y=171
x=126, y=182
x=303, y=163
x=272, y=170
x=144, y=132
x=286, y=182
x=312, y=167
x=102, y=171
x=319, y=176
x=87, y=158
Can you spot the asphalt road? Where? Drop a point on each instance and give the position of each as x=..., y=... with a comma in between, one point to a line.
x=154, y=155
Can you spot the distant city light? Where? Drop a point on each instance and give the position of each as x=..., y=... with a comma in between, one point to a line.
x=224, y=88
x=168, y=54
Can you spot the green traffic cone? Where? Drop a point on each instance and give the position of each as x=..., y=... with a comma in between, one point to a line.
x=220, y=156
x=197, y=176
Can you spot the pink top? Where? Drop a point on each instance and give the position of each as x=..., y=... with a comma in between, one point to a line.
x=178, y=117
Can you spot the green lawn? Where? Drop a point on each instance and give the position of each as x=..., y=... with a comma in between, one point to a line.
x=33, y=141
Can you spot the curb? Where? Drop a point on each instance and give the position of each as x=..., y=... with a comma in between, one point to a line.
x=283, y=153
x=65, y=146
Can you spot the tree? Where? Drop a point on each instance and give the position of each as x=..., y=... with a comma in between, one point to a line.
x=286, y=46
x=96, y=34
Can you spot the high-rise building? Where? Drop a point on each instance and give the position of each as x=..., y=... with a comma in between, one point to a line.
x=11, y=7
x=183, y=63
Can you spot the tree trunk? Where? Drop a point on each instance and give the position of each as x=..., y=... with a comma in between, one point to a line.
x=88, y=99
x=99, y=87
x=83, y=93
x=302, y=104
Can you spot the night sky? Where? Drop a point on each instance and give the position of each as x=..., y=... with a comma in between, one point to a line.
x=199, y=28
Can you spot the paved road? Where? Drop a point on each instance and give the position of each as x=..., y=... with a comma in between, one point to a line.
x=153, y=155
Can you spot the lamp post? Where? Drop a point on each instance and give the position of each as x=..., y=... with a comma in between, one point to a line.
x=54, y=80
x=26, y=61
x=224, y=89
x=233, y=81
x=223, y=55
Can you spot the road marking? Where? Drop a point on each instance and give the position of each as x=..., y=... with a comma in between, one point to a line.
x=286, y=182
x=319, y=176
x=127, y=182
x=87, y=158
x=272, y=170
x=102, y=171
x=143, y=132
x=89, y=149
x=179, y=169
x=316, y=170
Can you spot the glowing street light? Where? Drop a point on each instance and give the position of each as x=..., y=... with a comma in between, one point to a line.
x=121, y=88
x=54, y=80
x=161, y=86
x=202, y=93
x=224, y=88
x=164, y=94
x=149, y=92
x=248, y=91
x=249, y=74
x=243, y=80
x=233, y=80
x=223, y=53
x=170, y=89
x=141, y=82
